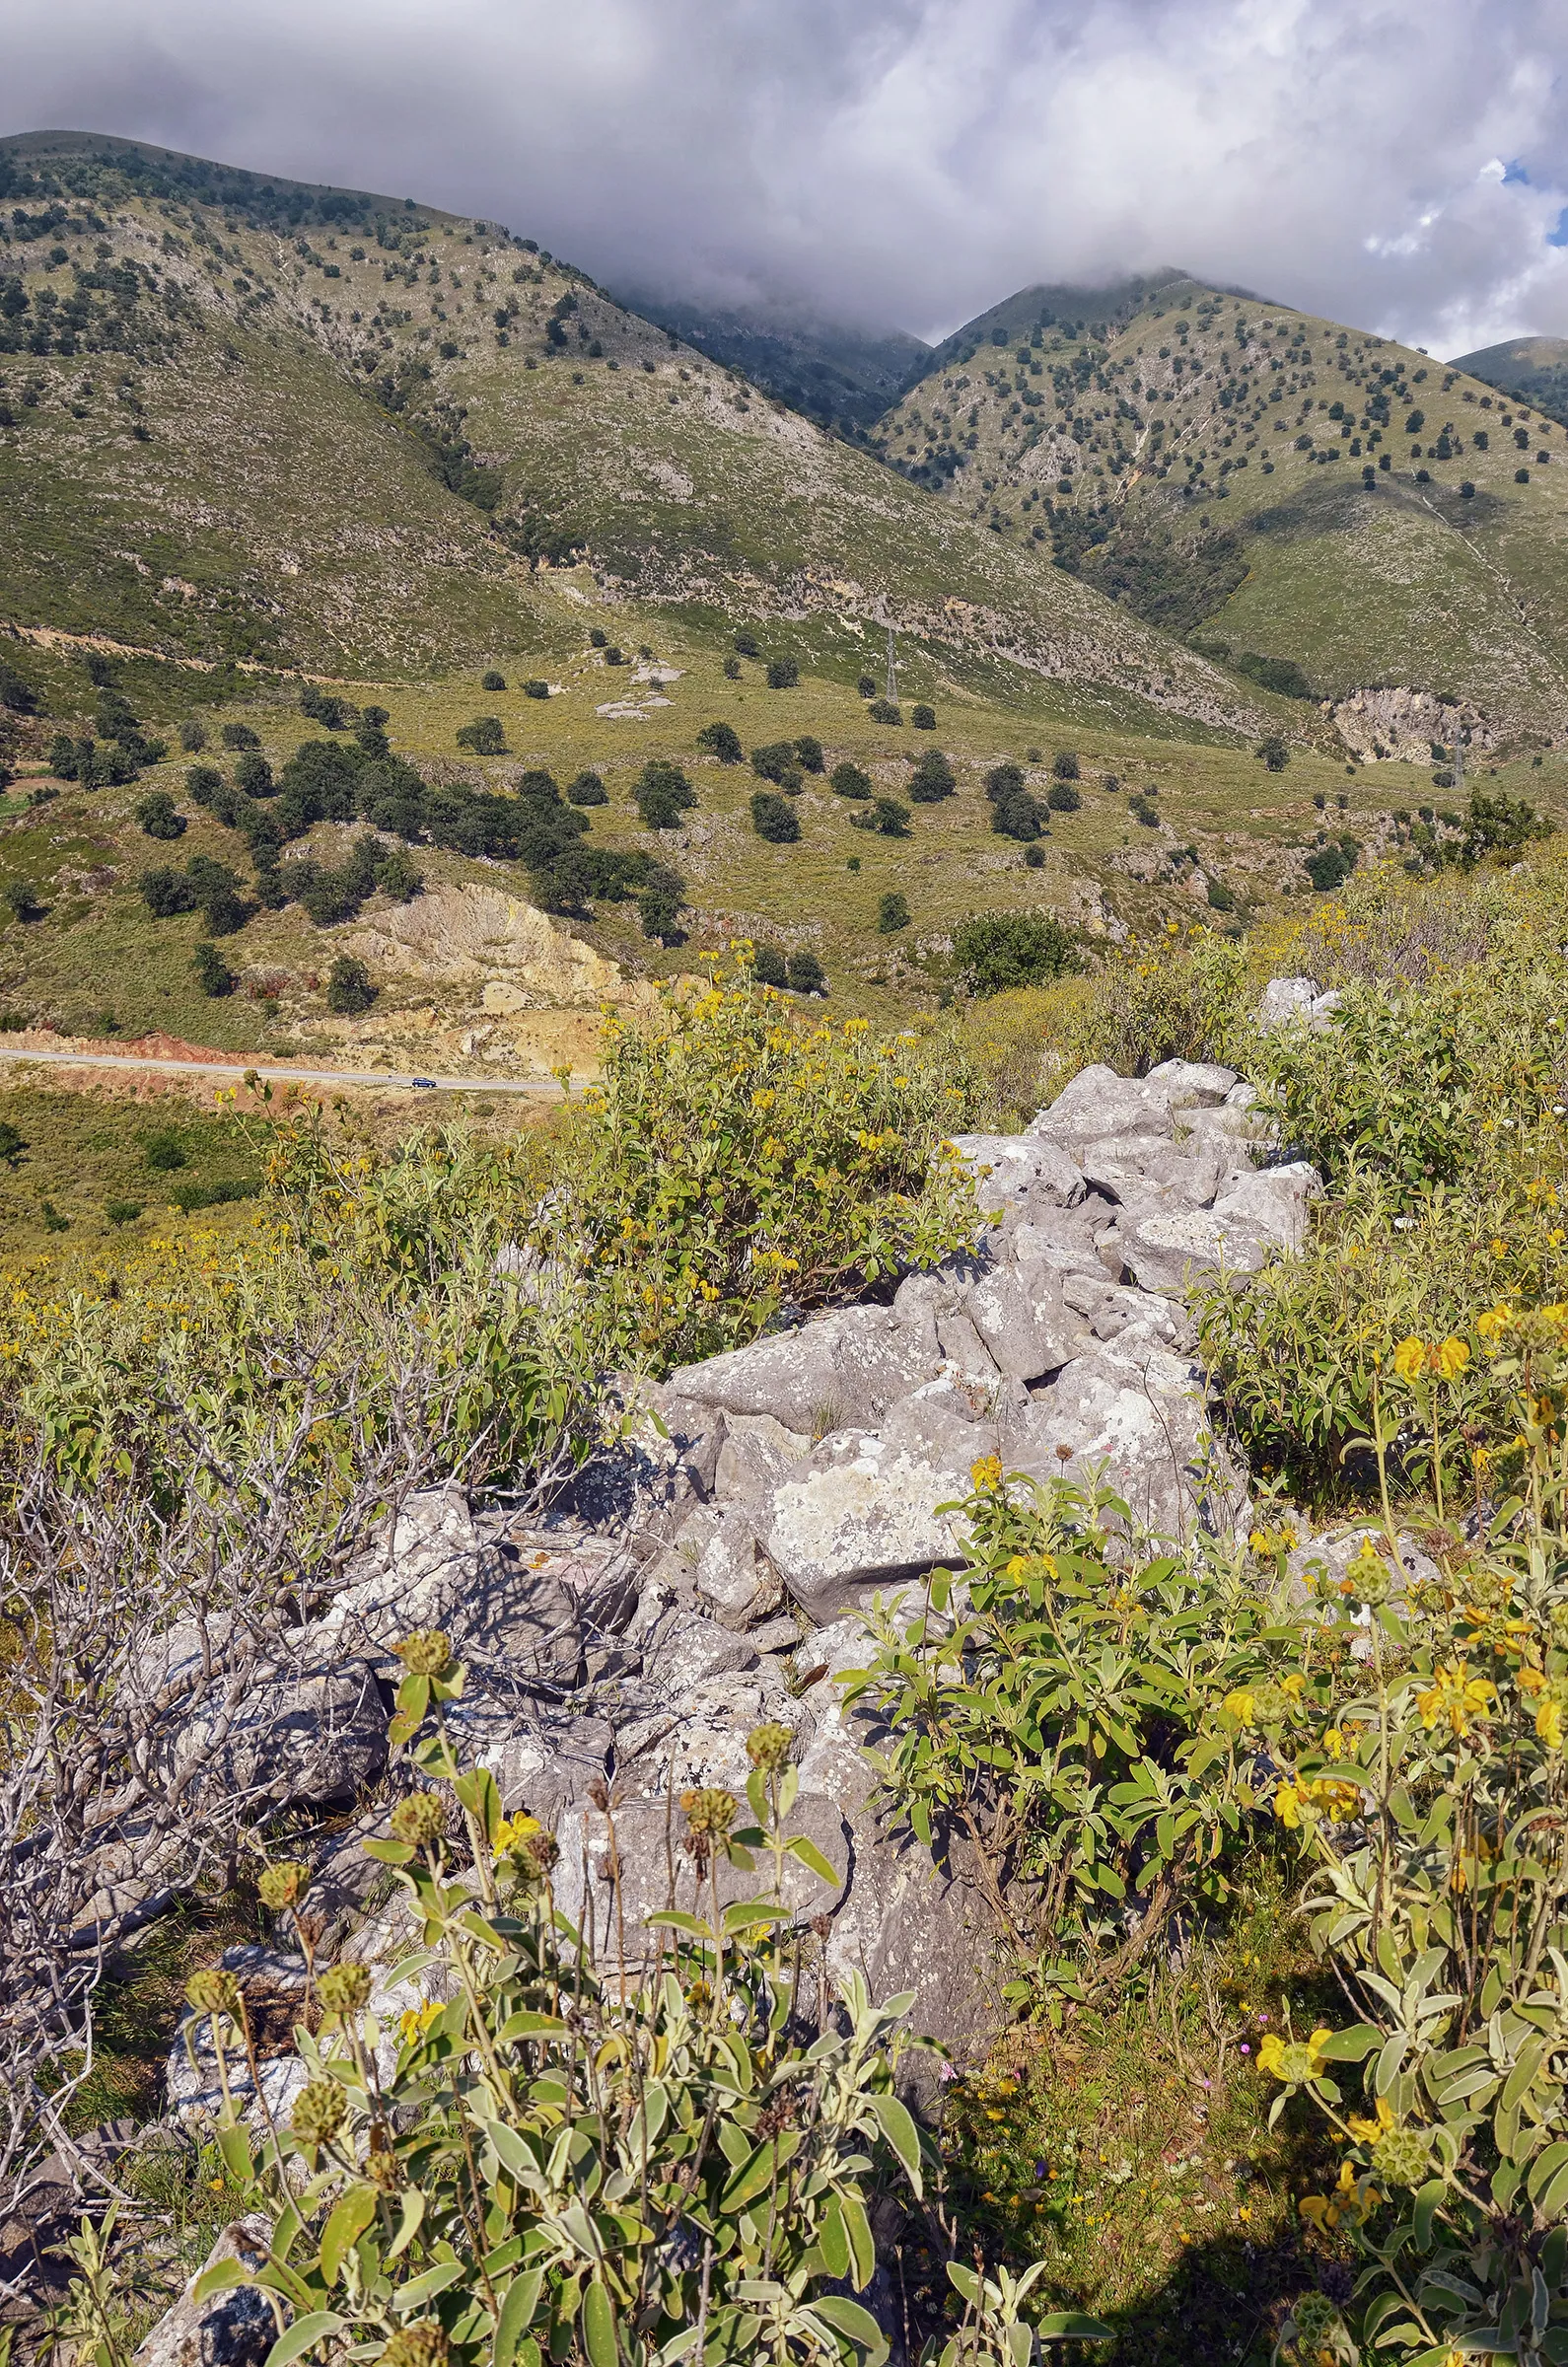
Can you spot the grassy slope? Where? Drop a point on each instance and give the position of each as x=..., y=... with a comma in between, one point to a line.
x=275, y=483
x=1534, y=368
x=1406, y=583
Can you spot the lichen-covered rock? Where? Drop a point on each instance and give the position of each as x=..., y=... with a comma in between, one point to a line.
x=1274, y=1200
x=1007, y=1168
x=1021, y=1315
x=1099, y=1103
x=846, y=1367
x=1176, y=1249
x=860, y=1512
x=235, y=2328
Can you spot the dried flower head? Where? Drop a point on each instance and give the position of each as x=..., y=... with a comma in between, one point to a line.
x=344, y=1988
x=425, y=1652
x=382, y=2166
x=423, y=2344
x=320, y=2109
x=213, y=1993
x=420, y=1820
x=284, y=1884
x=709, y=1810
x=768, y=1747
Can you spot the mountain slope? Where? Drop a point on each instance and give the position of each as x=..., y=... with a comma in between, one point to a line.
x=1533, y=368
x=828, y=371
x=1277, y=486
x=339, y=430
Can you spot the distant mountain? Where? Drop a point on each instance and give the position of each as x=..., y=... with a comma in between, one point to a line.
x=247, y=416
x=1536, y=368
x=1285, y=492
x=838, y=375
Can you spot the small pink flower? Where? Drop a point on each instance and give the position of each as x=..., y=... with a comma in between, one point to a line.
x=1245, y=2050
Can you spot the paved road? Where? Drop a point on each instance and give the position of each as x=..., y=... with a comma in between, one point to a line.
x=288, y=1076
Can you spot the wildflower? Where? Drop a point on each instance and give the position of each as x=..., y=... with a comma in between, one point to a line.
x=413, y=2025
x=985, y=1474
x=1369, y=2131
x=320, y=2109
x=767, y=1746
x=420, y=1820
x=283, y=1886
x=1457, y=1695
x=1352, y=2196
x=213, y=1993
x=423, y=2344
x=344, y=1988
x=1549, y=1721
x=425, y=1652
x=1409, y=1359
x=1242, y=1705
x=1294, y=2060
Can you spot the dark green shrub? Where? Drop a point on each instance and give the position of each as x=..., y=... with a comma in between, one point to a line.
x=770, y=969
x=158, y=816
x=614, y=656
x=999, y=950
x=746, y=644
x=213, y=975
x=809, y=754
x=849, y=781
x=888, y=817
x=892, y=912
x=923, y=718
x=1280, y=675
x=663, y=794
x=122, y=1212
x=598, y=637
x=731, y=670
x=882, y=710
x=867, y=686
x=254, y=776
x=216, y=890
x=659, y=906
x=348, y=986
x=399, y=876
x=1003, y=781
x=807, y=974
x=16, y=693
x=782, y=674
x=1273, y=750
x=1065, y=765
x=1015, y=816
x=588, y=790
x=776, y=763
x=534, y=688
x=933, y=779
x=13, y=1143
x=723, y=740
x=166, y=891
x=773, y=817
x=164, y=1152
x=497, y=682
x=483, y=736
x=1063, y=798
x=240, y=735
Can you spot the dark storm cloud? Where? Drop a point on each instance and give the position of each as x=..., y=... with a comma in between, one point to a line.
x=1402, y=165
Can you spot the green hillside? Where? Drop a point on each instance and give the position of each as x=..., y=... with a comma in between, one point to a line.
x=1270, y=484
x=1533, y=368
x=344, y=432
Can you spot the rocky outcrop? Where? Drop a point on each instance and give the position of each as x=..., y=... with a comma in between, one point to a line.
x=709, y=1573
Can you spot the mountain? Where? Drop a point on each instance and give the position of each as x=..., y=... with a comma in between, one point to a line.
x=832, y=373
x=255, y=417
x=1534, y=368
x=1327, y=509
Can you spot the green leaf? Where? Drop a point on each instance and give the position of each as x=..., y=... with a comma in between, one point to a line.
x=390, y=1853
x=410, y=2214
x=517, y=2315
x=1426, y=2206
x=1070, y=2325
x=898, y=2126
x=348, y=2222
x=525, y=2023
x=599, y=2326
x=847, y=2317
x=235, y=2147
x=218, y=2279
x=303, y=2336
x=810, y=1855
x=421, y=2289
x=1351, y=2046
x=833, y=2239
x=863, y=2252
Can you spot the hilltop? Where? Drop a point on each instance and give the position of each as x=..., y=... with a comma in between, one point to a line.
x=836, y=372
x=343, y=432
x=1533, y=368
x=1328, y=510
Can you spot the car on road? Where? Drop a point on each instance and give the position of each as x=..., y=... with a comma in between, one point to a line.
x=427, y=1084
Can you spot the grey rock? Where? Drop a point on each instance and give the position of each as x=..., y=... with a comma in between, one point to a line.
x=735, y=1579
x=1007, y=1168
x=236, y=2329
x=1063, y=1242
x=946, y=1423
x=275, y=1984
x=856, y=1513
x=964, y=1349
x=845, y=1367
x=918, y=1301
x=683, y=1647
x=1141, y=1417
x=663, y=1747
x=291, y=1736
x=756, y=1454
x=415, y=1576
x=1286, y=1000
x=1273, y=1200
x=1021, y=1315
x=1099, y=1103
x=1176, y=1249
x=542, y=1757
x=1193, y=1084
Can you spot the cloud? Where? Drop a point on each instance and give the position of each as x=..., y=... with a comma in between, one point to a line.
x=892, y=160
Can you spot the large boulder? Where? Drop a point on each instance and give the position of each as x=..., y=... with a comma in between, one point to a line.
x=1176, y=1249
x=1023, y=1318
x=284, y=1732
x=846, y=1367
x=1099, y=1103
x=1274, y=1200
x=1010, y=1168
x=859, y=1512
x=1135, y=1417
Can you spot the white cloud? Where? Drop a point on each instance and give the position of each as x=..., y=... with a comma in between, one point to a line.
x=904, y=161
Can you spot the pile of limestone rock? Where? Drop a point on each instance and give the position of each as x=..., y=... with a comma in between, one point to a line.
x=709, y=1575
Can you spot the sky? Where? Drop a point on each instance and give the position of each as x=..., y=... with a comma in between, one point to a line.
x=1398, y=165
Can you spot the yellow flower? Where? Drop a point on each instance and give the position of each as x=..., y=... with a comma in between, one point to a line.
x=1450, y=1359
x=1550, y=1723
x=1287, y=1806
x=1334, y=1741
x=1349, y=2197
x=1240, y=1705
x=1369, y=2131
x=1457, y=1695
x=414, y=2024
x=1409, y=1359
x=985, y=1475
